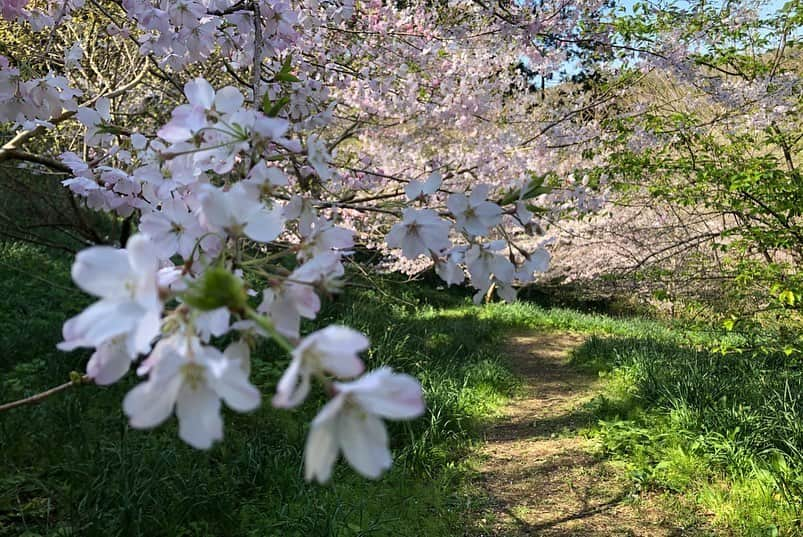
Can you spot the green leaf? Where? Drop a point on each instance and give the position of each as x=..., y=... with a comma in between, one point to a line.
x=284, y=74
x=535, y=187
x=286, y=77
x=272, y=109
x=787, y=297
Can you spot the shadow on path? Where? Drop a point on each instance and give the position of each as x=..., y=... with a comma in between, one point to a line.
x=539, y=476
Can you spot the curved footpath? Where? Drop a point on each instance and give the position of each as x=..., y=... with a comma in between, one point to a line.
x=539, y=476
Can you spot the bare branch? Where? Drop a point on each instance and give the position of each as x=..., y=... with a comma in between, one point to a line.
x=39, y=397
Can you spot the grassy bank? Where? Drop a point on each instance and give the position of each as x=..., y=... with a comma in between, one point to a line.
x=719, y=431
x=722, y=430
x=71, y=466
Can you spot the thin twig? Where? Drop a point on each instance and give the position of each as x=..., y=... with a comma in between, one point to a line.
x=39, y=397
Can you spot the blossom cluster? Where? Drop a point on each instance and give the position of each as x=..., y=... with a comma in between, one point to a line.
x=250, y=195
x=178, y=286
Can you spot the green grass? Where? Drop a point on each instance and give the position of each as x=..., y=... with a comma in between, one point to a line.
x=714, y=418
x=726, y=431
x=723, y=431
x=71, y=466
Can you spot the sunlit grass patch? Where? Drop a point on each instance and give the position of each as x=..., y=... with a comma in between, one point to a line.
x=722, y=430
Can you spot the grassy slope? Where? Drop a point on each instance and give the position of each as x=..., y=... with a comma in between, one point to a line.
x=723, y=430
x=71, y=465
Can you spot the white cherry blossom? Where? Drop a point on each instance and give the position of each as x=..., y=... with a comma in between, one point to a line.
x=110, y=361
x=296, y=297
x=191, y=379
x=421, y=189
x=173, y=229
x=475, y=215
x=236, y=212
x=318, y=157
x=421, y=231
x=264, y=179
x=350, y=423
x=126, y=282
x=538, y=261
x=449, y=269
x=322, y=236
x=487, y=267
x=332, y=350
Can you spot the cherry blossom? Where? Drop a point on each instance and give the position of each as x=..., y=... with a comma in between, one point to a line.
x=191, y=379
x=236, y=212
x=110, y=361
x=172, y=229
x=296, y=296
x=419, y=190
x=421, y=231
x=332, y=350
x=129, y=305
x=350, y=423
x=473, y=214
x=486, y=267
x=305, y=131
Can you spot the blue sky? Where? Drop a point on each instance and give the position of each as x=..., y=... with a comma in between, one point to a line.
x=768, y=7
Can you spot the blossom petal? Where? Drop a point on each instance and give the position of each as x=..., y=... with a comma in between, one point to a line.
x=388, y=394
x=293, y=387
x=100, y=322
x=488, y=211
x=109, y=363
x=539, y=260
x=320, y=452
x=413, y=189
x=478, y=194
x=142, y=255
x=199, y=420
x=240, y=353
x=102, y=271
x=149, y=403
x=364, y=441
x=139, y=341
x=228, y=100
x=265, y=225
x=231, y=383
x=199, y=92
x=457, y=203
x=339, y=346
x=330, y=410
x=215, y=208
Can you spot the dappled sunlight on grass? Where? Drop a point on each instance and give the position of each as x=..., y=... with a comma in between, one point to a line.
x=725, y=430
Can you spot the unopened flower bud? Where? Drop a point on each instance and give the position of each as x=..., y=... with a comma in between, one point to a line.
x=217, y=288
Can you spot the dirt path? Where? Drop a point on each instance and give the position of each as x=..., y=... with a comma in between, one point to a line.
x=541, y=478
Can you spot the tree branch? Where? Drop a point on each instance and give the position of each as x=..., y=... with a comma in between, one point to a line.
x=39, y=397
